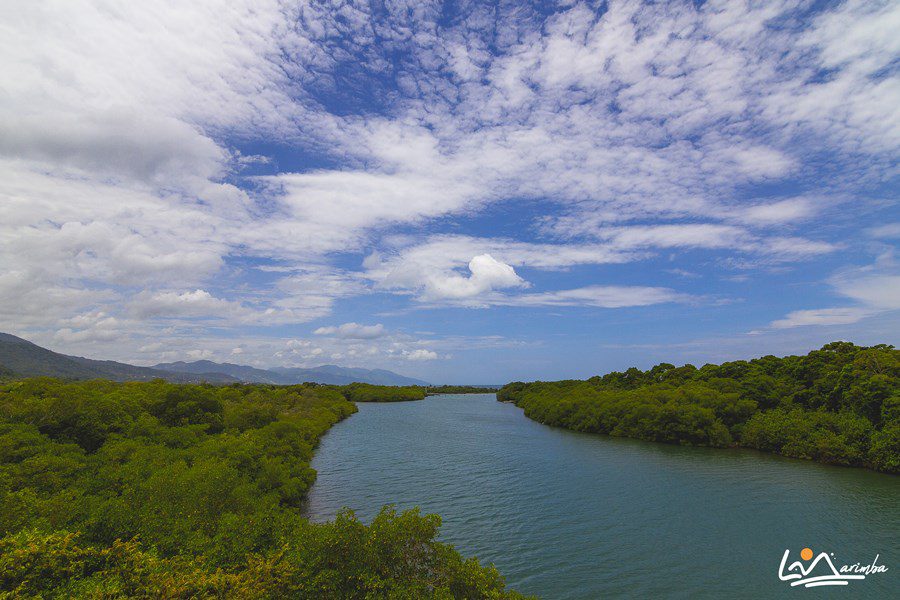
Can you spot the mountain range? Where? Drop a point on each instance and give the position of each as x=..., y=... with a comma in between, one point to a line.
x=331, y=374
x=19, y=357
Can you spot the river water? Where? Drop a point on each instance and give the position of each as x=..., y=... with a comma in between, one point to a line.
x=569, y=515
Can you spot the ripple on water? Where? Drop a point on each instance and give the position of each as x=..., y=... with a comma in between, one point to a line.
x=569, y=515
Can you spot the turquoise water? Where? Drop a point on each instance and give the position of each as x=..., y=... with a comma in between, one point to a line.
x=569, y=515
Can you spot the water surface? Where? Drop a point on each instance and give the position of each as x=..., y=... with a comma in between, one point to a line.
x=570, y=515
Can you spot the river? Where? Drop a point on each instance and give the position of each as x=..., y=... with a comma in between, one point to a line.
x=569, y=515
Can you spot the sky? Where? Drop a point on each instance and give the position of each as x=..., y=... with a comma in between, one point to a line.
x=464, y=192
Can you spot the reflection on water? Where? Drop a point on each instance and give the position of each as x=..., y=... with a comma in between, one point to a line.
x=569, y=515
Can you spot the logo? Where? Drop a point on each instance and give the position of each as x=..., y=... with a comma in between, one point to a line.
x=810, y=572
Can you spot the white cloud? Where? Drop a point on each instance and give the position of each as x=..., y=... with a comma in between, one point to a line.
x=353, y=331
x=879, y=291
x=95, y=326
x=311, y=292
x=198, y=303
x=204, y=354
x=683, y=273
x=794, y=248
x=888, y=230
x=875, y=288
x=777, y=213
x=420, y=354
x=602, y=296
x=486, y=274
x=638, y=127
x=430, y=268
x=700, y=235
x=412, y=260
x=822, y=316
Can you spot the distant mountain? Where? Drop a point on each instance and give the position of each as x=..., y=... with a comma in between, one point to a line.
x=330, y=374
x=24, y=359
x=342, y=375
x=238, y=372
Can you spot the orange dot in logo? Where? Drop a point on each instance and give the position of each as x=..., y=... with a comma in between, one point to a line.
x=806, y=554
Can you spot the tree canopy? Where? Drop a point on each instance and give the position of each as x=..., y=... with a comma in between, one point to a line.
x=153, y=489
x=839, y=404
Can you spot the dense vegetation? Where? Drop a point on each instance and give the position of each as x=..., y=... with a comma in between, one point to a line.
x=434, y=390
x=113, y=490
x=839, y=405
x=367, y=392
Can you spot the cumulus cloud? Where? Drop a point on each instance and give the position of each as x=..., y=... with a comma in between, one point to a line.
x=420, y=354
x=202, y=305
x=486, y=274
x=432, y=269
x=201, y=354
x=429, y=269
x=197, y=303
x=410, y=261
x=353, y=331
x=91, y=327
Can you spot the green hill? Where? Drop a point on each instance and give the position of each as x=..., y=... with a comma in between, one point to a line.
x=21, y=358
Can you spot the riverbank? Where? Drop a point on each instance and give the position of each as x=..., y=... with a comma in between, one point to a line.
x=838, y=405
x=578, y=516
x=124, y=489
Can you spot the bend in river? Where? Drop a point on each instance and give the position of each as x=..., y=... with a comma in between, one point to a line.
x=571, y=515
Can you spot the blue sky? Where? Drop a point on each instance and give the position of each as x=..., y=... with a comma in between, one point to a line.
x=463, y=192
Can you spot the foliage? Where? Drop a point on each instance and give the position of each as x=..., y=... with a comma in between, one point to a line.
x=434, y=390
x=839, y=405
x=153, y=489
x=367, y=392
